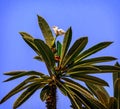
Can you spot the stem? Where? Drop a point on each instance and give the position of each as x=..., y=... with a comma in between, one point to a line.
x=51, y=100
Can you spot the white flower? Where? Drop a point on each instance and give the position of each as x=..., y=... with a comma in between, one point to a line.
x=58, y=31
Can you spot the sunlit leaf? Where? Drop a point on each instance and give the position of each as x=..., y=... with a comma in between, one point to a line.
x=93, y=50
x=66, y=42
x=83, y=69
x=95, y=60
x=18, y=74
x=99, y=92
x=88, y=78
x=29, y=40
x=46, y=31
x=46, y=53
x=17, y=89
x=39, y=58
x=25, y=95
x=76, y=48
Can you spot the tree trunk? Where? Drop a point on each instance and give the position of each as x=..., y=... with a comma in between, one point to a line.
x=51, y=100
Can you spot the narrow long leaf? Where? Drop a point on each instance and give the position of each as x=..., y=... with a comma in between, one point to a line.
x=113, y=103
x=46, y=31
x=102, y=69
x=46, y=53
x=25, y=95
x=17, y=89
x=95, y=60
x=77, y=47
x=78, y=87
x=99, y=92
x=117, y=91
x=85, y=93
x=18, y=74
x=93, y=50
x=29, y=40
x=69, y=94
x=88, y=78
x=66, y=43
x=83, y=69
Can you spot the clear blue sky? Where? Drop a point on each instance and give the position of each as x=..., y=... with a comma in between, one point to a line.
x=97, y=19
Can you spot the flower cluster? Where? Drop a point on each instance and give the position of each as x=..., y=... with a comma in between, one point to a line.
x=58, y=31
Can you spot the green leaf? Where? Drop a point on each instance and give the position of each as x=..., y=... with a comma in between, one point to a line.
x=69, y=93
x=17, y=89
x=83, y=100
x=18, y=74
x=108, y=68
x=92, y=50
x=83, y=69
x=66, y=43
x=25, y=95
x=77, y=47
x=78, y=87
x=95, y=60
x=95, y=70
x=59, y=47
x=39, y=58
x=99, y=92
x=116, y=83
x=71, y=84
x=113, y=103
x=88, y=78
x=44, y=93
x=46, y=31
x=29, y=40
x=46, y=52
x=117, y=91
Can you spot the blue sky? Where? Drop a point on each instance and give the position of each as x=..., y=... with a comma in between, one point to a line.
x=97, y=19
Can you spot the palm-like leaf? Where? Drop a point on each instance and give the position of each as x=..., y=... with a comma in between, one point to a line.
x=46, y=31
x=73, y=64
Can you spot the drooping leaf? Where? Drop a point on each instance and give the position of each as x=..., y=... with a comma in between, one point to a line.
x=99, y=92
x=25, y=95
x=17, y=89
x=44, y=93
x=46, y=31
x=92, y=50
x=29, y=40
x=83, y=100
x=66, y=43
x=113, y=103
x=88, y=78
x=71, y=84
x=77, y=47
x=18, y=74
